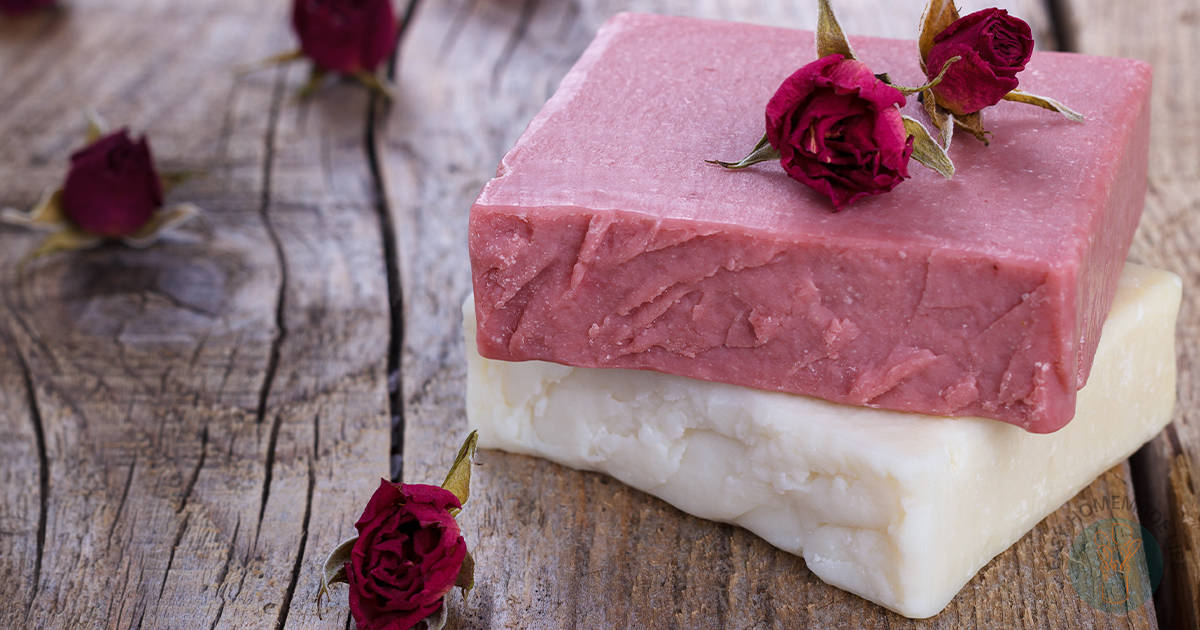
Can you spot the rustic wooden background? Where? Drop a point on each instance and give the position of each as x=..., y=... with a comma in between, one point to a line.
x=186, y=430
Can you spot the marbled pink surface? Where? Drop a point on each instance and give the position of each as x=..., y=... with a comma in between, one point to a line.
x=606, y=241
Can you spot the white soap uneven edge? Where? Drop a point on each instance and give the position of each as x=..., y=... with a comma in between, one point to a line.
x=901, y=509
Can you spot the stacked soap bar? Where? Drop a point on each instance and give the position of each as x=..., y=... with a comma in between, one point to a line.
x=898, y=508
x=605, y=241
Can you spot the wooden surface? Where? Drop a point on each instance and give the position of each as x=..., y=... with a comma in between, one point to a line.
x=1167, y=34
x=185, y=431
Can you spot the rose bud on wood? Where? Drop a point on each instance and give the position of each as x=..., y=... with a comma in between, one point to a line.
x=345, y=36
x=993, y=46
x=838, y=130
x=408, y=555
x=111, y=192
x=112, y=189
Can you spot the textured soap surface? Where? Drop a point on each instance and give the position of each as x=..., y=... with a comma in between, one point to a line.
x=898, y=508
x=605, y=241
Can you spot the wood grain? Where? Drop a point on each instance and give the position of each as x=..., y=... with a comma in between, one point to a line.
x=1184, y=550
x=184, y=431
x=187, y=429
x=1165, y=34
x=556, y=548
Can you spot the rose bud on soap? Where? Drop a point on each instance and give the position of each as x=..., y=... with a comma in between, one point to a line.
x=836, y=127
x=112, y=189
x=993, y=46
x=18, y=7
x=408, y=555
x=838, y=130
x=345, y=36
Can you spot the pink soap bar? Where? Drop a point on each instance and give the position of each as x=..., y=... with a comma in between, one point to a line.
x=606, y=241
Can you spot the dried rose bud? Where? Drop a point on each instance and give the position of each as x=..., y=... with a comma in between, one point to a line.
x=409, y=552
x=839, y=131
x=836, y=127
x=346, y=36
x=18, y=7
x=112, y=189
x=993, y=45
x=408, y=555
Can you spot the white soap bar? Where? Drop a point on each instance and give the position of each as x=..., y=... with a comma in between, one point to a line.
x=901, y=509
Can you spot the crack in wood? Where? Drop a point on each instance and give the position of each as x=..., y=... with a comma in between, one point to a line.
x=268, y=474
x=570, y=18
x=455, y=27
x=395, y=383
x=230, y=364
x=142, y=617
x=217, y=618
x=229, y=556
x=528, y=8
x=121, y=503
x=191, y=483
x=111, y=600
x=316, y=454
x=281, y=260
x=405, y=21
x=285, y=609
x=224, y=573
x=242, y=579
x=171, y=558
x=1064, y=35
x=195, y=356
x=280, y=327
x=39, y=434
x=375, y=111
x=33, y=337
x=226, y=130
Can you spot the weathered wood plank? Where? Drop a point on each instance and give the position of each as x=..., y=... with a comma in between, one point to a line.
x=1165, y=34
x=558, y=548
x=22, y=520
x=214, y=409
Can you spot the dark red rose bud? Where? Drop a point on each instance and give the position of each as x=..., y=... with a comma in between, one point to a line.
x=346, y=36
x=994, y=47
x=112, y=189
x=408, y=556
x=838, y=130
x=17, y=7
